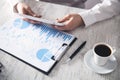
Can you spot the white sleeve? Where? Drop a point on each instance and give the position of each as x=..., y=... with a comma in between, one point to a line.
x=102, y=11
x=13, y=2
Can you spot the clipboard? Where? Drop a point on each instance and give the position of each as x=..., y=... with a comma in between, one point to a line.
x=37, y=45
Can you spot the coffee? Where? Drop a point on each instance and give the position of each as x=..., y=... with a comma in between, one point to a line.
x=102, y=50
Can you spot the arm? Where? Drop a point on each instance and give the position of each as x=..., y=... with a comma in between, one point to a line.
x=19, y=6
x=105, y=10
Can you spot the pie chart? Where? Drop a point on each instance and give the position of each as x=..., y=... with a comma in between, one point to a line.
x=44, y=55
x=21, y=23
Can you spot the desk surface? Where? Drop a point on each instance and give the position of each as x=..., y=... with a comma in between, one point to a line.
x=106, y=31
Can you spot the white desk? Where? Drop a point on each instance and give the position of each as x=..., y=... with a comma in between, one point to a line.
x=105, y=31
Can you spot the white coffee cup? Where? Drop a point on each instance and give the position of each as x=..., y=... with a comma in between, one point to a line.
x=102, y=52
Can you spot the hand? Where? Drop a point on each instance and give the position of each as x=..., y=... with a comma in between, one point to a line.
x=71, y=21
x=23, y=8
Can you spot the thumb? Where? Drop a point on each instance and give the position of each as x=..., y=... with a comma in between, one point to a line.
x=67, y=17
x=32, y=13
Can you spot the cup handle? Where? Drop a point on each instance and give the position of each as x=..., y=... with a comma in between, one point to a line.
x=114, y=50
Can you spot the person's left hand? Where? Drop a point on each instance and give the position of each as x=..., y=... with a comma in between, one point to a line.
x=23, y=8
x=71, y=22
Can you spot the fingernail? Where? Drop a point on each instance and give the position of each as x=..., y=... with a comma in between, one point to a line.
x=34, y=15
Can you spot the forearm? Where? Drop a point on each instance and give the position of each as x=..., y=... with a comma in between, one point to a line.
x=100, y=12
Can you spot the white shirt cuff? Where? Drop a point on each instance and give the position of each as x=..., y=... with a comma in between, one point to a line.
x=88, y=17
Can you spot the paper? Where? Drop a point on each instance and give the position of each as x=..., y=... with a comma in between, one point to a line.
x=34, y=44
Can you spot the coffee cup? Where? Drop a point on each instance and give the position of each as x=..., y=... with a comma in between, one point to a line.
x=102, y=52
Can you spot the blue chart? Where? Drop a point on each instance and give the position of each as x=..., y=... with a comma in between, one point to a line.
x=21, y=23
x=53, y=32
x=35, y=44
x=44, y=55
x=44, y=29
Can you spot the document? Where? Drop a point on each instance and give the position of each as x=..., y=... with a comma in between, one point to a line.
x=38, y=45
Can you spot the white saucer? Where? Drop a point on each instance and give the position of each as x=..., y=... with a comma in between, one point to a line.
x=107, y=68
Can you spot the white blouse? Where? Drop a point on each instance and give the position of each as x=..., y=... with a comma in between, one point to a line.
x=101, y=11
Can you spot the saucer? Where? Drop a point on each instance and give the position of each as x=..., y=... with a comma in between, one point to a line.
x=104, y=69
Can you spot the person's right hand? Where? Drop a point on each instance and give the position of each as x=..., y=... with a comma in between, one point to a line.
x=23, y=8
x=71, y=22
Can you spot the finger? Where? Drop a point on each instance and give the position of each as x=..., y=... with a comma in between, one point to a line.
x=22, y=11
x=38, y=16
x=67, y=17
x=61, y=28
x=30, y=12
x=26, y=19
x=33, y=14
x=68, y=26
x=31, y=21
x=35, y=22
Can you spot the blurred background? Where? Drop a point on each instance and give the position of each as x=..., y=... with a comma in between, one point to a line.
x=86, y=4
x=5, y=10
